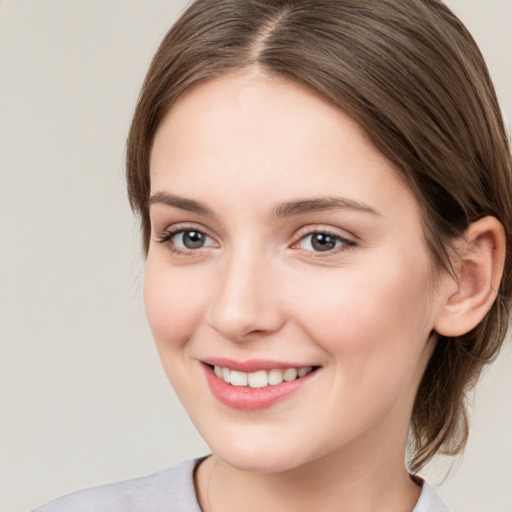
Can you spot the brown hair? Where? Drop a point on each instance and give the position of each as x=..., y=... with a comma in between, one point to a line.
x=410, y=73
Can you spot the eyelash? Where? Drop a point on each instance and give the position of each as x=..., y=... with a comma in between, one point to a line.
x=166, y=237
x=346, y=243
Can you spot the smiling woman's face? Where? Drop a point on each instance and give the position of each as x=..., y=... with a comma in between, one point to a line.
x=283, y=242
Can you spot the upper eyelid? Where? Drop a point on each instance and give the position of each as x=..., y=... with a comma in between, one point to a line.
x=186, y=226
x=322, y=228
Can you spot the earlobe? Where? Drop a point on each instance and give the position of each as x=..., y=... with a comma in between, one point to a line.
x=478, y=264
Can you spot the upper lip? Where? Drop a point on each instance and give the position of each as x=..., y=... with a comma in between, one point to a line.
x=252, y=365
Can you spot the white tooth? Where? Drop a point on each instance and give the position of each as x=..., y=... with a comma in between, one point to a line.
x=218, y=371
x=304, y=371
x=258, y=379
x=226, y=375
x=275, y=377
x=290, y=374
x=238, y=378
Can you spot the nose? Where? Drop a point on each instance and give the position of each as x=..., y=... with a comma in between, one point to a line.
x=246, y=304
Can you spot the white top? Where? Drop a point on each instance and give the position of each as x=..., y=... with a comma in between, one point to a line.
x=170, y=490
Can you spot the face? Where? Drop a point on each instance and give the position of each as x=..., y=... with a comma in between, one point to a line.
x=288, y=285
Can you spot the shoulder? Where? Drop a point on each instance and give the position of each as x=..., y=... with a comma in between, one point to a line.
x=429, y=501
x=171, y=490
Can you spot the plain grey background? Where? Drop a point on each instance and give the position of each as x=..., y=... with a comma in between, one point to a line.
x=83, y=399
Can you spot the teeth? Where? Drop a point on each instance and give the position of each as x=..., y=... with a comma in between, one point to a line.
x=261, y=378
x=226, y=375
x=290, y=374
x=258, y=379
x=275, y=377
x=238, y=378
x=304, y=371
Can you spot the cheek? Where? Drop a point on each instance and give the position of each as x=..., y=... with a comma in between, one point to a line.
x=373, y=318
x=174, y=302
x=373, y=329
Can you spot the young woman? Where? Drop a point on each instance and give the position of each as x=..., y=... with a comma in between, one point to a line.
x=324, y=189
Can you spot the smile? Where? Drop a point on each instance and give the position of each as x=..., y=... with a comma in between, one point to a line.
x=261, y=378
x=258, y=388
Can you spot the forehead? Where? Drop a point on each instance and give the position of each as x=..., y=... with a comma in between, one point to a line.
x=252, y=107
x=252, y=133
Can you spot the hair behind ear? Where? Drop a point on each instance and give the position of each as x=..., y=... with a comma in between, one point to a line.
x=440, y=420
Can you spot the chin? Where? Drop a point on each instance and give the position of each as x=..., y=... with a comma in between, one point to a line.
x=267, y=456
x=257, y=462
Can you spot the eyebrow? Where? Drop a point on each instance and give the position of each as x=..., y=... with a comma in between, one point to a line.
x=286, y=209
x=180, y=202
x=303, y=206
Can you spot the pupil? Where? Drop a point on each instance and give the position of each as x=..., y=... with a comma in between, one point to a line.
x=193, y=239
x=321, y=242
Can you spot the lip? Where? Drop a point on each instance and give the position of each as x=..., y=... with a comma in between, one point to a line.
x=252, y=365
x=250, y=399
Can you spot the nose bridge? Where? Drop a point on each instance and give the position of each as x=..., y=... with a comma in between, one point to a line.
x=246, y=299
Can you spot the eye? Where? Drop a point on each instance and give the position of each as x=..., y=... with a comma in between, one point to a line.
x=186, y=240
x=190, y=239
x=320, y=241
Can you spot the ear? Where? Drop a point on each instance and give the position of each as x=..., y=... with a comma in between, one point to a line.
x=478, y=264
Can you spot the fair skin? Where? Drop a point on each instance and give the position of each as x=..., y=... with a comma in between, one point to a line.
x=282, y=238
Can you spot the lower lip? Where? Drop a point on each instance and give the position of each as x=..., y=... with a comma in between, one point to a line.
x=247, y=398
